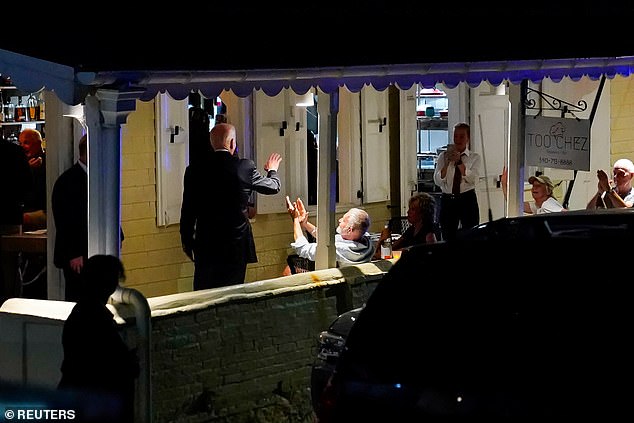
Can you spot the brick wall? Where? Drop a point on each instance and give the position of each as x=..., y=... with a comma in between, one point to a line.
x=234, y=354
x=243, y=353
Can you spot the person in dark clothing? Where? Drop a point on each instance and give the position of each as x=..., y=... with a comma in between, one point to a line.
x=421, y=215
x=214, y=226
x=69, y=202
x=32, y=271
x=15, y=182
x=198, y=129
x=97, y=361
x=35, y=202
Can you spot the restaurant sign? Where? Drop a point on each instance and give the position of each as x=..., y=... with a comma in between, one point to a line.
x=558, y=142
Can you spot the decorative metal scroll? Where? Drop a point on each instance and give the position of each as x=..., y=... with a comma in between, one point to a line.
x=552, y=103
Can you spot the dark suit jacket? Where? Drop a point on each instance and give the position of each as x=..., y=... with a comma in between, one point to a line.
x=36, y=197
x=216, y=192
x=70, y=210
x=15, y=182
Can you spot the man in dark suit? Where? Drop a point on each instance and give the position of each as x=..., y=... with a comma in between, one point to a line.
x=70, y=212
x=15, y=182
x=214, y=226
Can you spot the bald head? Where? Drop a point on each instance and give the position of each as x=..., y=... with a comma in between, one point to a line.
x=31, y=142
x=223, y=136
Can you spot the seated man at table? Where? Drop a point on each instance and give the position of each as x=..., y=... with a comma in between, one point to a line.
x=352, y=241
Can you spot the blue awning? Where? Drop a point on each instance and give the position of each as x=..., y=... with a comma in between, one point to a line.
x=271, y=81
x=31, y=74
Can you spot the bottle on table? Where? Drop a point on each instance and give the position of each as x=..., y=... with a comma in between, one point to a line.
x=386, y=245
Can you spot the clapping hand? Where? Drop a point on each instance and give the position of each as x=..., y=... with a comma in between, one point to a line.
x=297, y=210
x=291, y=208
x=453, y=155
x=302, y=214
x=604, y=182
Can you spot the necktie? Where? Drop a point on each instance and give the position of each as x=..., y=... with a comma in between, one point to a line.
x=457, y=178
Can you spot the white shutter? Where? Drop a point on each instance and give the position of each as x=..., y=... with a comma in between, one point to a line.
x=172, y=157
x=493, y=112
x=409, y=162
x=271, y=137
x=375, y=145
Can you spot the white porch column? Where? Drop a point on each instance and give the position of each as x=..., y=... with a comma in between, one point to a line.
x=105, y=112
x=327, y=109
x=516, y=165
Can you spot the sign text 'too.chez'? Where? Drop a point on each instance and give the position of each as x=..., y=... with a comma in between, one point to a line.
x=558, y=143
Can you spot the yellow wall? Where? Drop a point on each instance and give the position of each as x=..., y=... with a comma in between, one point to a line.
x=621, y=118
x=153, y=259
x=273, y=234
x=154, y=262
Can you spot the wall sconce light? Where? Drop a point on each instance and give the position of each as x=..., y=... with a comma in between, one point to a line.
x=283, y=128
x=306, y=100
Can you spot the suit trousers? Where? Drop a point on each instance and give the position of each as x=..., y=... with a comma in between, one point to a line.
x=216, y=269
x=458, y=211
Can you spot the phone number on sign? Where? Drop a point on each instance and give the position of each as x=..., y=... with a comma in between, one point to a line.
x=555, y=161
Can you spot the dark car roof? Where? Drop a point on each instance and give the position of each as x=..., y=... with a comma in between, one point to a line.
x=342, y=324
x=515, y=326
x=577, y=223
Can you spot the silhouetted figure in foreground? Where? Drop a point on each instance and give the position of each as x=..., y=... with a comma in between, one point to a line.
x=96, y=359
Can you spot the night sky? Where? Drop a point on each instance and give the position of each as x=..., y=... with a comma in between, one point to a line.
x=237, y=34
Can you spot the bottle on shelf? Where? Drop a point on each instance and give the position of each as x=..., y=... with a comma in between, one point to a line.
x=9, y=111
x=33, y=108
x=20, y=111
x=41, y=106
